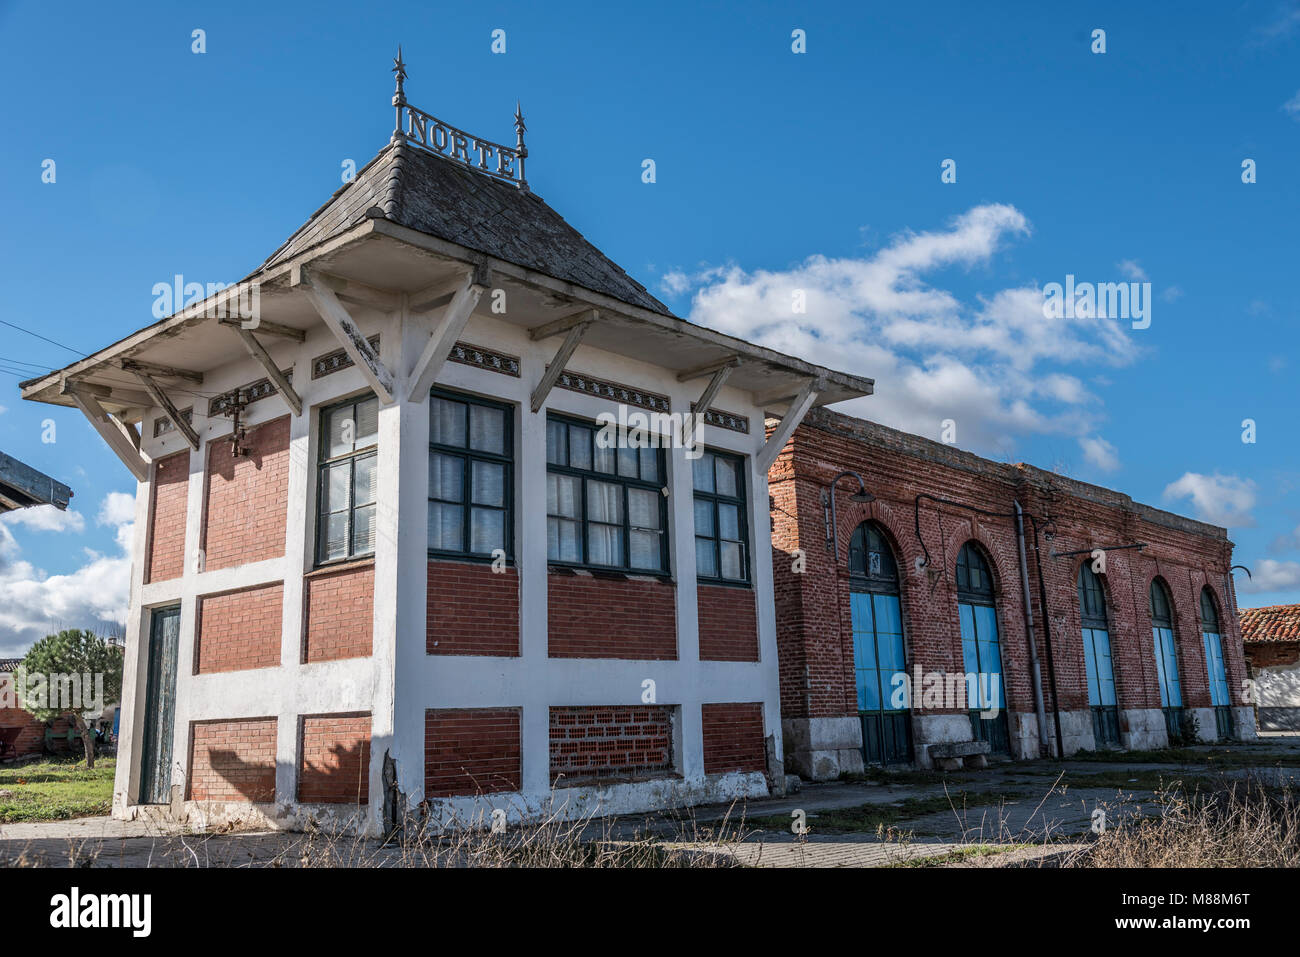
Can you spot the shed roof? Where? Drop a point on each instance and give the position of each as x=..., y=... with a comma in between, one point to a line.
x=1270, y=623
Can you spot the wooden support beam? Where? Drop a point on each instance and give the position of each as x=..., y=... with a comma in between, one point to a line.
x=728, y=363
x=427, y=298
x=168, y=408
x=267, y=328
x=346, y=331
x=258, y=352
x=803, y=401
x=556, y=368
x=115, y=395
x=450, y=325
x=109, y=429
x=711, y=390
x=162, y=372
x=554, y=328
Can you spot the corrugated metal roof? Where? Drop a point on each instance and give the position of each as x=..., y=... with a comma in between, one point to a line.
x=1270, y=623
x=434, y=195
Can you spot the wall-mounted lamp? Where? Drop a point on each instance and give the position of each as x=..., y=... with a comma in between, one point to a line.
x=861, y=496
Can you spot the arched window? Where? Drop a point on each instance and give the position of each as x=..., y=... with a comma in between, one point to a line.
x=1218, y=672
x=1162, y=633
x=981, y=649
x=878, y=657
x=1097, y=658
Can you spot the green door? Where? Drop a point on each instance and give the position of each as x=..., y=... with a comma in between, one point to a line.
x=160, y=707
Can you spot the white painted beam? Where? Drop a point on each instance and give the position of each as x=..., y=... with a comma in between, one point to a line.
x=564, y=324
x=109, y=429
x=789, y=422
x=699, y=373
x=712, y=389
x=556, y=367
x=349, y=335
x=256, y=350
x=168, y=408
x=450, y=325
x=162, y=372
x=267, y=328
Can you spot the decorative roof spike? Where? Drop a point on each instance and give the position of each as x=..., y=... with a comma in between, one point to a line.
x=519, y=145
x=399, y=96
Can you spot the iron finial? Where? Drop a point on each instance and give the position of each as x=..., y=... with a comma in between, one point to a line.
x=519, y=145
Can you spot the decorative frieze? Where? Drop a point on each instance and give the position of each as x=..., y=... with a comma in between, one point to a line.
x=164, y=426
x=627, y=395
x=225, y=403
x=480, y=358
x=337, y=361
x=723, y=419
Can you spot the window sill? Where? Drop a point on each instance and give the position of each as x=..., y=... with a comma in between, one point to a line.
x=608, y=574
x=339, y=566
x=725, y=583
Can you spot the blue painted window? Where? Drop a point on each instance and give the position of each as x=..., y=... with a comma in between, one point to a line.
x=1213, y=651
x=1096, y=639
x=982, y=656
x=877, y=622
x=1162, y=631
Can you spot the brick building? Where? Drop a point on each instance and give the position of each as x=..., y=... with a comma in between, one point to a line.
x=926, y=570
x=1272, y=641
x=384, y=553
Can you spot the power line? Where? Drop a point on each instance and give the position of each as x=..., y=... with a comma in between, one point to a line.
x=39, y=336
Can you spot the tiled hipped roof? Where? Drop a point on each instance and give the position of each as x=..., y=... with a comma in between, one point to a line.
x=1270, y=623
x=436, y=196
x=8, y=665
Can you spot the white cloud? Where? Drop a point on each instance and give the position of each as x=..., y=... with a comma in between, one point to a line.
x=1171, y=293
x=1132, y=270
x=1220, y=499
x=33, y=603
x=118, y=508
x=1272, y=575
x=1100, y=453
x=1292, y=105
x=990, y=361
x=45, y=518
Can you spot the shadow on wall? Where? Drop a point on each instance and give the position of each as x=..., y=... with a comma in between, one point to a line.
x=340, y=775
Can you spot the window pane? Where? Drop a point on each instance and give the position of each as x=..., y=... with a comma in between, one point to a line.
x=732, y=560
x=336, y=535
x=488, y=485
x=487, y=530
x=627, y=462
x=562, y=495
x=579, y=447
x=603, y=458
x=363, y=530
x=604, y=502
x=445, y=526
x=562, y=540
x=556, y=453
x=447, y=422
x=703, y=517
x=338, y=486
x=363, y=478
x=728, y=521
x=706, y=561
x=340, y=430
x=367, y=423
x=726, y=477
x=643, y=508
x=446, y=477
x=649, y=465
x=487, y=429
x=702, y=472
x=605, y=544
x=645, y=550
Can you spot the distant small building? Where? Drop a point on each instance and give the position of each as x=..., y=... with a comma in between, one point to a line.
x=1272, y=638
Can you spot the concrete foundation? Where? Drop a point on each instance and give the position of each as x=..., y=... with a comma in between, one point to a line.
x=1243, y=723
x=823, y=748
x=1143, y=729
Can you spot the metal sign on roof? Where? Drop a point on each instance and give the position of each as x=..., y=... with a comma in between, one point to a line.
x=450, y=142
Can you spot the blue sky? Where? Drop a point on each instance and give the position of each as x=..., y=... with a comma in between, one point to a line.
x=775, y=171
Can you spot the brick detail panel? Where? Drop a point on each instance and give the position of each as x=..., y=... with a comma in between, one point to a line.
x=472, y=751
x=239, y=630
x=611, y=740
x=168, y=498
x=733, y=738
x=339, y=619
x=472, y=611
x=233, y=760
x=247, y=497
x=334, y=759
x=728, y=624
x=592, y=617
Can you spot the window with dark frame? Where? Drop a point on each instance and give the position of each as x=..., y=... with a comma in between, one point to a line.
x=345, y=491
x=721, y=529
x=471, y=485
x=605, y=507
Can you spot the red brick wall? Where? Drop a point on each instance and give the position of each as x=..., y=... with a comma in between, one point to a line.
x=591, y=617
x=334, y=759
x=728, y=624
x=733, y=738
x=247, y=497
x=471, y=751
x=471, y=610
x=31, y=737
x=168, y=497
x=813, y=621
x=610, y=740
x=339, y=620
x=1273, y=654
x=233, y=760
x=239, y=630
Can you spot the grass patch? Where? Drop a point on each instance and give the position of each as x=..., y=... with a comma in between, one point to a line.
x=871, y=818
x=55, y=790
x=959, y=855
x=904, y=776
x=1236, y=756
